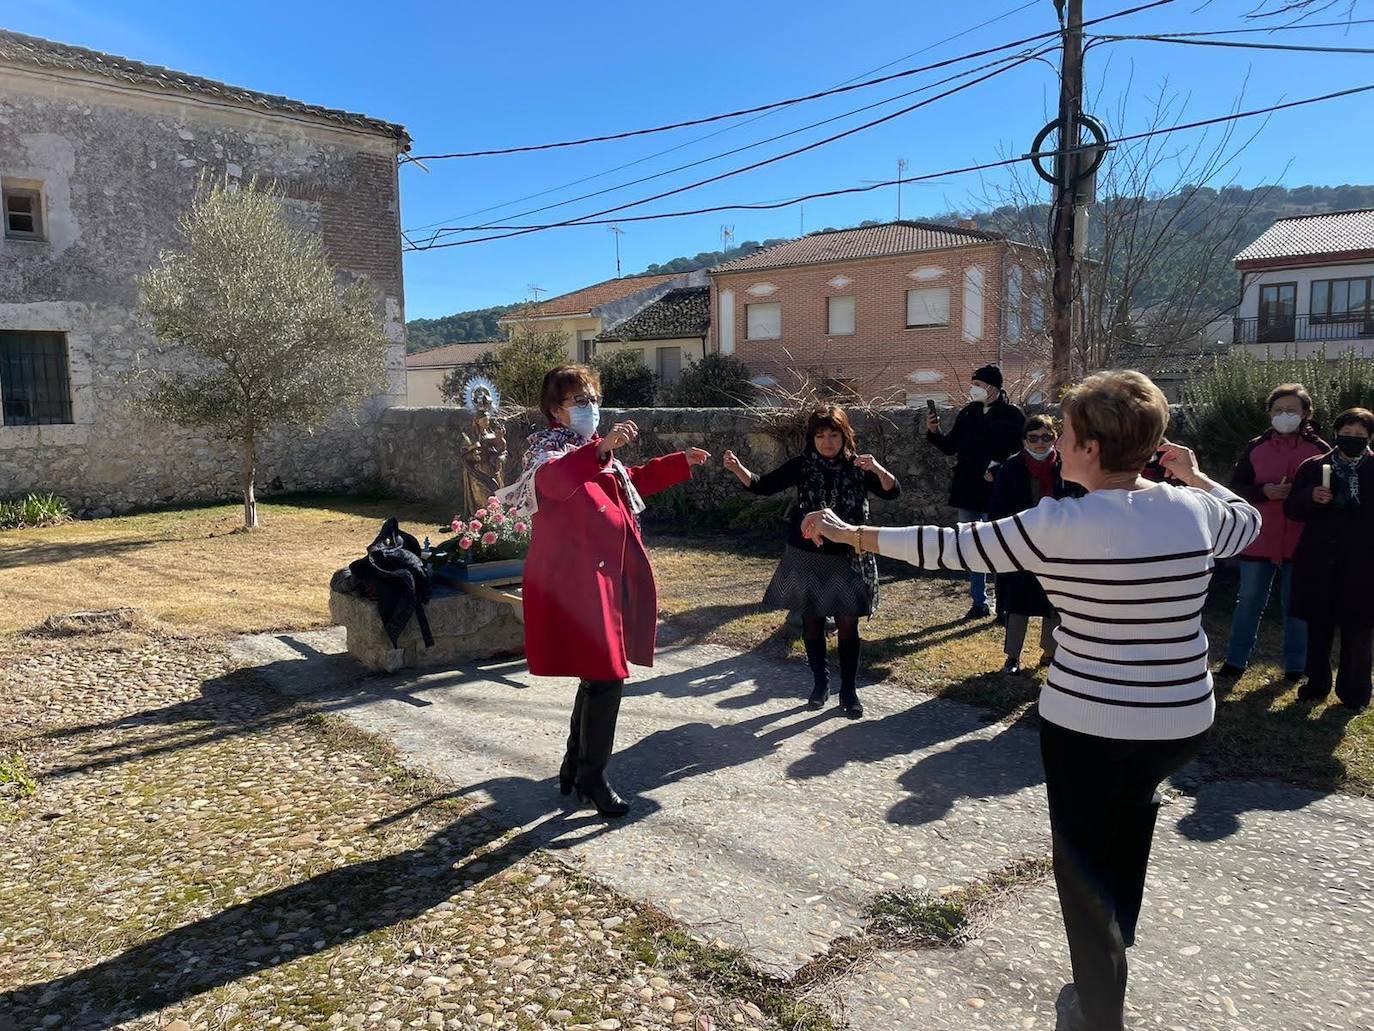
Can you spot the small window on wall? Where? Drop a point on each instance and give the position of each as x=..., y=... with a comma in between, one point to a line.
x=35, y=389
x=839, y=316
x=586, y=346
x=927, y=307
x=23, y=211
x=763, y=321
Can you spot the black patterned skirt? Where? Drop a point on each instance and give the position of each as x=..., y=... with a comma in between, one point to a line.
x=817, y=584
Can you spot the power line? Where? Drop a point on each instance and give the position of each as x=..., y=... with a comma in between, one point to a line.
x=918, y=178
x=779, y=103
x=1269, y=29
x=803, y=149
x=747, y=146
x=719, y=132
x=1238, y=45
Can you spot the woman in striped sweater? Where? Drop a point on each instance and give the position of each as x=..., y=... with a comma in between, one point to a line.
x=1128, y=700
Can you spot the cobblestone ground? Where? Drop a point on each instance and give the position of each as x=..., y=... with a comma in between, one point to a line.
x=199, y=854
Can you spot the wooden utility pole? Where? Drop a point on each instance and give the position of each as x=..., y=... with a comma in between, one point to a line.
x=1066, y=167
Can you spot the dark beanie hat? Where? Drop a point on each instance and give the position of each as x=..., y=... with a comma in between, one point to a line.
x=989, y=374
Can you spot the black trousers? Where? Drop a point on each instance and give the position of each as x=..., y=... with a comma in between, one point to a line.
x=1104, y=797
x=1357, y=656
x=591, y=731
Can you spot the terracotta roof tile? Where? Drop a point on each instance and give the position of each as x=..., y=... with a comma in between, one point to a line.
x=449, y=355
x=589, y=297
x=867, y=242
x=17, y=48
x=678, y=313
x=1305, y=236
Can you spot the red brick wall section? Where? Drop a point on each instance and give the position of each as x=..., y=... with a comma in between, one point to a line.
x=361, y=221
x=882, y=353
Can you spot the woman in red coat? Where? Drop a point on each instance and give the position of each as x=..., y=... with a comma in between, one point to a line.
x=591, y=607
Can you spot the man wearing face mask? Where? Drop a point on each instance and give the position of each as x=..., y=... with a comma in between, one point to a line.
x=985, y=432
x=1264, y=477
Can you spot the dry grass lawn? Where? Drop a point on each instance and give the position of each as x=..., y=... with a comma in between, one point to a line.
x=195, y=569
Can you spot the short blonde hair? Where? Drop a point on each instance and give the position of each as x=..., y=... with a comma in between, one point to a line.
x=1124, y=412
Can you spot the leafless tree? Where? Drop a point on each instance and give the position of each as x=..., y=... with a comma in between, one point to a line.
x=1161, y=233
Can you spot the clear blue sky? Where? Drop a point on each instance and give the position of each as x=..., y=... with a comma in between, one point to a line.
x=466, y=76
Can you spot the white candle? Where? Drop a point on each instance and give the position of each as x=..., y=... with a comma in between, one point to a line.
x=1326, y=476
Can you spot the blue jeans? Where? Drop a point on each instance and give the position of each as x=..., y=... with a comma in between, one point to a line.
x=1256, y=578
x=977, y=582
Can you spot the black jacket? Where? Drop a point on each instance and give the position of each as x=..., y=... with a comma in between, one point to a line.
x=789, y=474
x=1333, y=566
x=394, y=573
x=1012, y=492
x=980, y=435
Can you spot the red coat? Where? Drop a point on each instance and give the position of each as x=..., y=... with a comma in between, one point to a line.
x=1270, y=458
x=591, y=606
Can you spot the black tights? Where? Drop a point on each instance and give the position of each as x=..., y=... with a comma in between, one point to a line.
x=846, y=627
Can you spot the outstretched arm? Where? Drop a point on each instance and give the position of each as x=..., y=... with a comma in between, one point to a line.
x=1004, y=546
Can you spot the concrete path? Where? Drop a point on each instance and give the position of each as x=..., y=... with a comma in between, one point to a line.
x=769, y=826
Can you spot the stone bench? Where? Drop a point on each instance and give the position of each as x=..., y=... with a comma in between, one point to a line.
x=465, y=627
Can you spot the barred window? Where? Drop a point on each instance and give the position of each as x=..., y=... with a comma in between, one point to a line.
x=35, y=389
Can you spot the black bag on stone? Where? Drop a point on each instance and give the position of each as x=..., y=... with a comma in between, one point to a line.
x=394, y=573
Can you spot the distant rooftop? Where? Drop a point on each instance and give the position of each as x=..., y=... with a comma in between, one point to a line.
x=890, y=238
x=1340, y=235
x=685, y=312
x=580, y=302
x=447, y=356
x=33, y=51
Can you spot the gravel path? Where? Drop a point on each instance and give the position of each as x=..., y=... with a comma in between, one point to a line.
x=770, y=827
x=199, y=854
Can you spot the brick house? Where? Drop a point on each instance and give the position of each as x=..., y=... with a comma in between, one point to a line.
x=99, y=157
x=902, y=309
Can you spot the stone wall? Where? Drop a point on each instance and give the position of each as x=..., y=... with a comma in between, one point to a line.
x=117, y=169
x=418, y=459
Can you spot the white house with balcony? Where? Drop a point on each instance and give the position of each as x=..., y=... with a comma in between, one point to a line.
x=1307, y=286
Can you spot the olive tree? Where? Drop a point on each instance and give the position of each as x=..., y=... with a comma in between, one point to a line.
x=259, y=330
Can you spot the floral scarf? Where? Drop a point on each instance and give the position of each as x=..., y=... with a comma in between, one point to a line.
x=1345, y=476
x=841, y=486
x=549, y=445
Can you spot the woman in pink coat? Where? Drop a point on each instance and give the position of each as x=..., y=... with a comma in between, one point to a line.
x=591, y=606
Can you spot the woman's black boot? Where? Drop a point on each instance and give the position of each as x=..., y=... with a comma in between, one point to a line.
x=600, y=709
x=567, y=772
x=849, y=678
x=815, y=658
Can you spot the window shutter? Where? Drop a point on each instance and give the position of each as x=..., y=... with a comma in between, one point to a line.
x=764, y=321
x=840, y=316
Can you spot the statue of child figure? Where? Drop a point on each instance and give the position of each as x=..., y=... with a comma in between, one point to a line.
x=483, y=449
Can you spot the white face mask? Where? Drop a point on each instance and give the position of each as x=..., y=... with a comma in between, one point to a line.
x=1286, y=422
x=978, y=393
x=1039, y=454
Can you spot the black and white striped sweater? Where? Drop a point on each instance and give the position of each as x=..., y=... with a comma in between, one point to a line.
x=1128, y=572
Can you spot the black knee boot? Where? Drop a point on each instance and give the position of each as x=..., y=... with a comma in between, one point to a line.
x=849, y=678
x=600, y=709
x=815, y=658
x=567, y=772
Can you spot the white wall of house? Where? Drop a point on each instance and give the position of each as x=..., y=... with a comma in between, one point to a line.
x=1335, y=337
x=667, y=358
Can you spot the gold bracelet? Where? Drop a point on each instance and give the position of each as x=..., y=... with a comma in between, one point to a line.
x=859, y=539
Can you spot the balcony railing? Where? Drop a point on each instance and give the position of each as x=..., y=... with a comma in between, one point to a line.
x=1302, y=329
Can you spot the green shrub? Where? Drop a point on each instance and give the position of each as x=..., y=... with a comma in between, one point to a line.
x=715, y=381
x=1224, y=405
x=626, y=382
x=34, y=510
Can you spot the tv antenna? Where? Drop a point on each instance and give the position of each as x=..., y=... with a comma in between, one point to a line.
x=727, y=237
x=617, y=232
x=535, y=291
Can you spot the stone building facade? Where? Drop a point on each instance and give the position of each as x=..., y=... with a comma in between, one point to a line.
x=901, y=310
x=99, y=157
